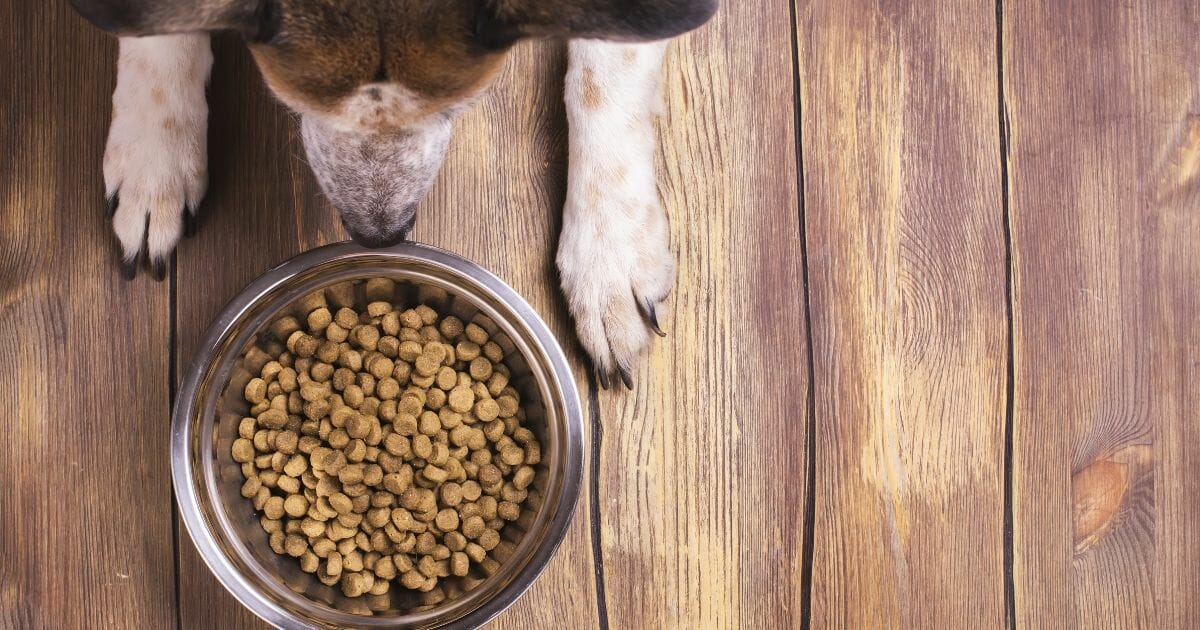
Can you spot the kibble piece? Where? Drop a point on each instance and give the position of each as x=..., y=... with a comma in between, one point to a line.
x=435, y=474
x=451, y=327
x=429, y=423
x=461, y=399
x=507, y=406
x=412, y=579
x=357, y=427
x=476, y=334
x=290, y=485
x=247, y=428
x=487, y=410
x=295, y=546
x=251, y=487
x=473, y=527
x=319, y=319
x=380, y=289
x=336, y=333
x=273, y=419
x=425, y=543
x=353, y=584
x=409, y=351
x=447, y=520
x=440, y=455
x=435, y=399
x=475, y=552
x=410, y=319
x=498, y=382
x=523, y=477
x=513, y=455
x=488, y=539
x=533, y=453
x=283, y=327
x=256, y=391
x=387, y=388
x=481, y=369
x=476, y=439
x=243, y=450
x=341, y=503
x=274, y=508
x=422, y=446
x=427, y=366
x=508, y=511
x=428, y=315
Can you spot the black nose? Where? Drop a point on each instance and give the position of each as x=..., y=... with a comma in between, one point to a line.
x=377, y=241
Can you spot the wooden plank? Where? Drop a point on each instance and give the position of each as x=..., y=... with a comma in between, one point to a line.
x=265, y=206
x=85, y=509
x=904, y=215
x=702, y=468
x=1104, y=101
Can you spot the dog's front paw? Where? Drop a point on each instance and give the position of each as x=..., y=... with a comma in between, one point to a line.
x=616, y=267
x=155, y=162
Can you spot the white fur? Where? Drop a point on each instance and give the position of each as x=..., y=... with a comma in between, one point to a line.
x=156, y=158
x=614, y=251
x=377, y=106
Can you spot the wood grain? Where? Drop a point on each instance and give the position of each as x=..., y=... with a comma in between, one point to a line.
x=905, y=234
x=85, y=504
x=702, y=467
x=265, y=206
x=1104, y=102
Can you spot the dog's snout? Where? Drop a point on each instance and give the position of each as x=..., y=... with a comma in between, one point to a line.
x=377, y=241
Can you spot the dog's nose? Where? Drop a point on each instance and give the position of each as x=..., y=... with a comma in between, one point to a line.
x=377, y=241
x=376, y=237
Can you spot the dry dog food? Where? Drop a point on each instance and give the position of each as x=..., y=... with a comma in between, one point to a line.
x=384, y=444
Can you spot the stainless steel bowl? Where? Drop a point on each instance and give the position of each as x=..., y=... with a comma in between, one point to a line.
x=225, y=527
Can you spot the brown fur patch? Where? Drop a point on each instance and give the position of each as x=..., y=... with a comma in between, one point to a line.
x=158, y=96
x=593, y=97
x=170, y=123
x=313, y=64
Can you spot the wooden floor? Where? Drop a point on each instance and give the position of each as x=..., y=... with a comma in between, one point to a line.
x=934, y=352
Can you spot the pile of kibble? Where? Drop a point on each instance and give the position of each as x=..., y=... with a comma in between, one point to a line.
x=384, y=444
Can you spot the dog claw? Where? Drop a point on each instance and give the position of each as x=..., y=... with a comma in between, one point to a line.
x=650, y=312
x=626, y=375
x=189, y=223
x=602, y=377
x=158, y=269
x=129, y=268
x=112, y=202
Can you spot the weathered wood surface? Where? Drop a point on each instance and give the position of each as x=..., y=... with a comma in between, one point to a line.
x=906, y=250
x=1104, y=105
x=85, y=499
x=869, y=138
x=702, y=487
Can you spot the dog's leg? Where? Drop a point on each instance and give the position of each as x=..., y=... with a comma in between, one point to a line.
x=614, y=253
x=155, y=164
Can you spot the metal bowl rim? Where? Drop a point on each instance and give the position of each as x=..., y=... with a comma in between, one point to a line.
x=184, y=474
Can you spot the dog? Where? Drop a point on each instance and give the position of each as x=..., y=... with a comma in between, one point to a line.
x=377, y=85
